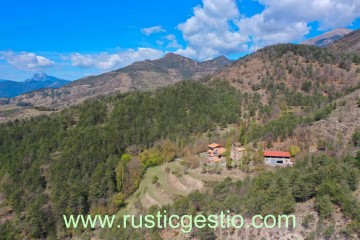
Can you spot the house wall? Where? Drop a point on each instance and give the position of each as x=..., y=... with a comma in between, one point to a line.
x=277, y=161
x=236, y=154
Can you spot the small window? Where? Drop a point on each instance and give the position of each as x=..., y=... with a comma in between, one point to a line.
x=280, y=161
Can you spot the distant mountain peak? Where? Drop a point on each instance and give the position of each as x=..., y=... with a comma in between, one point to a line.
x=38, y=77
x=328, y=38
x=42, y=77
x=9, y=89
x=40, y=74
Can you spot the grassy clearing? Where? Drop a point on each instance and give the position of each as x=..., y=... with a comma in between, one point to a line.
x=8, y=107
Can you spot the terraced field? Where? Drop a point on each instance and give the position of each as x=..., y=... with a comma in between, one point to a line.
x=173, y=181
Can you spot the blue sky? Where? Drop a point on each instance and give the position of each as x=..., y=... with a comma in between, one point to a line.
x=74, y=39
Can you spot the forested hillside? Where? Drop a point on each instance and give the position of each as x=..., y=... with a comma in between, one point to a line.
x=73, y=162
x=301, y=69
x=91, y=157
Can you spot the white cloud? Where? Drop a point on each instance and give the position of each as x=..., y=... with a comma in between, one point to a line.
x=26, y=60
x=329, y=13
x=217, y=26
x=159, y=42
x=173, y=43
x=151, y=30
x=107, y=61
x=264, y=32
x=208, y=31
x=288, y=20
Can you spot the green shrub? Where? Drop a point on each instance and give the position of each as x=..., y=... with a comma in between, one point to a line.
x=150, y=157
x=119, y=199
x=322, y=145
x=329, y=232
x=306, y=86
x=23, y=104
x=356, y=138
x=294, y=150
x=324, y=112
x=308, y=219
x=324, y=206
x=155, y=179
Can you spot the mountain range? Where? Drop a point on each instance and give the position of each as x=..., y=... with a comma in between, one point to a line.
x=9, y=89
x=144, y=75
x=152, y=74
x=44, y=90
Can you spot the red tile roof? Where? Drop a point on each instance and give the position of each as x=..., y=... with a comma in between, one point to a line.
x=214, y=145
x=268, y=153
x=221, y=150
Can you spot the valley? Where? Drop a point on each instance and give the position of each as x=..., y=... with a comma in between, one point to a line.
x=137, y=139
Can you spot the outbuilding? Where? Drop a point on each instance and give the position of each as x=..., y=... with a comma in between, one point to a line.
x=277, y=158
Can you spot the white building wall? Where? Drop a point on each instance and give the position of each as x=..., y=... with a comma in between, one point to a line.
x=280, y=161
